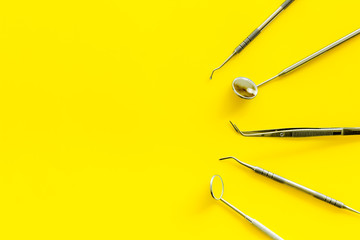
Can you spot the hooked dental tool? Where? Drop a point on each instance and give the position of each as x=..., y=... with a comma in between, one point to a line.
x=299, y=132
x=253, y=221
x=247, y=89
x=293, y=184
x=255, y=33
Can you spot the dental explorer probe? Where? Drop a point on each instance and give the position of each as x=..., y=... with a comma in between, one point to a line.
x=293, y=184
x=255, y=33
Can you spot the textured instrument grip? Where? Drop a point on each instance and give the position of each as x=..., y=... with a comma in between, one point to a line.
x=246, y=42
x=286, y=3
x=351, y=131
x=314, y=133
x=269, y=174
x=265, y=230
x=329, y=200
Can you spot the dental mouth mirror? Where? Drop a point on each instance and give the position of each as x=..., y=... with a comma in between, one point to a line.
x=255, y=33
x=247, y=89
x=253, y=221
x=293, y=184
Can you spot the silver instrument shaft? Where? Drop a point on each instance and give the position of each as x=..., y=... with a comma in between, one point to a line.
x=280, y=179
x=314, y=55
x=298, y=132
x=255, y=33
x=254, y=222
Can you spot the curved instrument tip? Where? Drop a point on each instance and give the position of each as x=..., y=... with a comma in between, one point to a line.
x=224, y=158
x=242, y=163
x=212, y=73
x=233, y=54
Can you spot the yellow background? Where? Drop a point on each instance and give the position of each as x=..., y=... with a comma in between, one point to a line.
x=111, y=129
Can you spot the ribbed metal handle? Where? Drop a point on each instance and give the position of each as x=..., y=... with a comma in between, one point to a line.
x=300, y=187
x=269, y=174
x=257, y=31
x=247, y=41
x=329, y=200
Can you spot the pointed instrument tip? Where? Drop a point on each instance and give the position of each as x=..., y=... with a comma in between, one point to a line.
x=235, y=127
x=353, y=210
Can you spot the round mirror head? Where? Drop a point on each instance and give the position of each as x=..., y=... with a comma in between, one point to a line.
x=245, y=88
x=216, y=186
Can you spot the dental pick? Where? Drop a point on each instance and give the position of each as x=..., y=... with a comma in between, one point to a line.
x=255, y=33
x=293, y=184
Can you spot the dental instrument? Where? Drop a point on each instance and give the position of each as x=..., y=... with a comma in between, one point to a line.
x=293, y=184
x=299, y=132
x=255, y=33
x=251, y=220
x=247, y=89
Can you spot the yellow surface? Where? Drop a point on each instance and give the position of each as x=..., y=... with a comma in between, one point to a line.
x=111, y=129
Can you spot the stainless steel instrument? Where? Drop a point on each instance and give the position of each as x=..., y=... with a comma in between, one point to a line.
x=253, y=221
x=255, y=33
x=293, y=184
x=247, y=89
x=299, y=132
